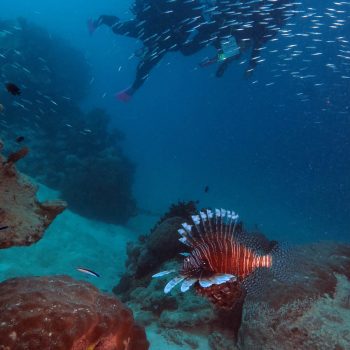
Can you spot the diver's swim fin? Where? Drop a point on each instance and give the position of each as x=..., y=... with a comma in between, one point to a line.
x=125, y=95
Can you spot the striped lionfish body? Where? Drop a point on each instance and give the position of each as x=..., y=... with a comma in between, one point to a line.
x=218, y=253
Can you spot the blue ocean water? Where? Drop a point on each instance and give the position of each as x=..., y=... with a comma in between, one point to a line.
x=274, y=147
x=280, y=162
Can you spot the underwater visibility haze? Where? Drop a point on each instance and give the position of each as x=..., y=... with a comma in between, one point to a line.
x=132, y=133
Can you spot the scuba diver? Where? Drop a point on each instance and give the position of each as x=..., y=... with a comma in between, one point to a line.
x=188, y=26
x=162, y=26
x=234, y=29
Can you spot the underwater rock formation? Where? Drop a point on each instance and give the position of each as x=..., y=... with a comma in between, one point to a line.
x=86, y=163
x=310, y=311
x=22, y=217
x=61, y=313
x=180, y=209
x=162, y=244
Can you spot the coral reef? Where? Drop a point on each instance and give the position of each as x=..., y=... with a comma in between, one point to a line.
x=23, y=218
x=182, y=210
x=308, y=311
x=162, y=244
x=61, y=313
x=86, y=157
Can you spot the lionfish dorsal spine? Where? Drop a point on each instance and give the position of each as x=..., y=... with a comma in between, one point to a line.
x=186, y=235
x=217, y=219
x=210, y=217
x=206, y=224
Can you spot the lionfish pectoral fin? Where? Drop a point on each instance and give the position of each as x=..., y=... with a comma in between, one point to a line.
x=217, y=279
x=172, y=283
x=187, y=283
x=162, y=273
x=205, y=282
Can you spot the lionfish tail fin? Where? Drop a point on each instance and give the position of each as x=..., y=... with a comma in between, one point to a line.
x=283, y=262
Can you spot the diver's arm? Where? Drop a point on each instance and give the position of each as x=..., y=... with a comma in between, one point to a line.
x=106, y=20
x=254, y=57
x=127, y=28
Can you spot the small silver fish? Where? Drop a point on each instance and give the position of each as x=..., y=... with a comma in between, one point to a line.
x=88, y=272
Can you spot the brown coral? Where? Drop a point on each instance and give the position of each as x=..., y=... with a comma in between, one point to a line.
x=24, y=216
x=16, y=156
x=61, y=313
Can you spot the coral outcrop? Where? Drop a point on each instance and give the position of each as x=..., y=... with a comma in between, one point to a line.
x=61, y=313
x=22, y=217
x=308, y=311
x=86, y=163
x=151, y=250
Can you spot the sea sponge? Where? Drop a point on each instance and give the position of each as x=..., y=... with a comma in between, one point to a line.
x=61, y=313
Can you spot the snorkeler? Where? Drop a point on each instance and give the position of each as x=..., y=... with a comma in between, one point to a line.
x=162, y=26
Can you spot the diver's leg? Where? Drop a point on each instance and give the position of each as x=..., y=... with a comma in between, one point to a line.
x=253, y=61
x=203, y=38
x=224, y=65
x=128, y=28
x=142, y=73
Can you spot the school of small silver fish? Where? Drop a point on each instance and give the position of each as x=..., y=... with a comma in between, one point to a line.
x=311, y=48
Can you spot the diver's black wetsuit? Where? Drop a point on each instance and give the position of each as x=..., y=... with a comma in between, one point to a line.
x=252, y=25
x=161, y=25
x=188, y=26
x=261, y=22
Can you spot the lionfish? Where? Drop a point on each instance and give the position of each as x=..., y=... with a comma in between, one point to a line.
x=220, y=253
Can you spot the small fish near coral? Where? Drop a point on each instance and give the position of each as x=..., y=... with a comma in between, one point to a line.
x=13, y=89
x=223, y=258
x=88, y=271
x=3, y=228
x=19, y=139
